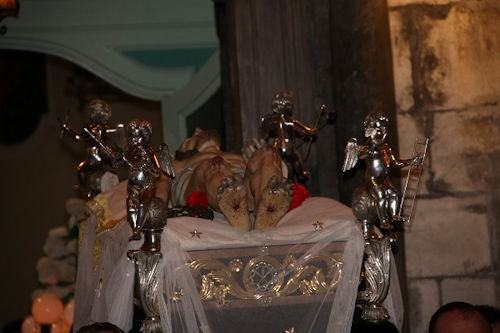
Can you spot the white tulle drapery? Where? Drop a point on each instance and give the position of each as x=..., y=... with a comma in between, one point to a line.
x=106, y=293
x=86, y=276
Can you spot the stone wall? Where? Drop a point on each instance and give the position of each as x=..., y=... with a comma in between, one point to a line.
x=447, y=75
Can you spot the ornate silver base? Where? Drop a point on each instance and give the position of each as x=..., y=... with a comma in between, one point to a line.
x=147, y=268
x=147, y=265
x=377, y=268
x=374, y=313
x=151, y=325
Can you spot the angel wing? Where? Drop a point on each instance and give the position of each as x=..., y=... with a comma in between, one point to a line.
x=165, y=160
x=351, y=154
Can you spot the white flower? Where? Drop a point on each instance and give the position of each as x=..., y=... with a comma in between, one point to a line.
x=52, y=271
x=55, y=245
x=48, y=270
x=61, y=292
x=58, y=232
x=67, y=270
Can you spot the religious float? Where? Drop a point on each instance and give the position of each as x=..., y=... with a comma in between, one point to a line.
x=240, y=247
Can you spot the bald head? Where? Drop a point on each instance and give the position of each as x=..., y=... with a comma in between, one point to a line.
x=492, y=314
x=458, y=317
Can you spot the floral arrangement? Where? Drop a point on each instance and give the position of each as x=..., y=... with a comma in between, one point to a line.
x=300, y=194
x=57, y=268
x=53, y=303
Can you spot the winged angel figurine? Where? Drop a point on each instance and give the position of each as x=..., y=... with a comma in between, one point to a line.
x=282, y=128
x=91, y=169
x=145, y=168
x=379, y=159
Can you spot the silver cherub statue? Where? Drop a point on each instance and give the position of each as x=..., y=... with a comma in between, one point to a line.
x=379, y=159
x=145, y=168
x=282, y=128
x=378, y=200
x=93, y=166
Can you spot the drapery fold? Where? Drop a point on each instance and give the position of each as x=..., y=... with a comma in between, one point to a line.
x=319, y=233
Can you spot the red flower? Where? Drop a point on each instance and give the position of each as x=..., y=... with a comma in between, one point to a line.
x=300, y=194
x=197, y=198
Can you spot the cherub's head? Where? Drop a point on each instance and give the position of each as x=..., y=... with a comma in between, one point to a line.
x=139, y=132
x=375, y=126
x=99, y=112
x=283, y=102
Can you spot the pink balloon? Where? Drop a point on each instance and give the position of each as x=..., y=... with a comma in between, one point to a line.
x=30, y=326
x=47, y=308
x=69, y=312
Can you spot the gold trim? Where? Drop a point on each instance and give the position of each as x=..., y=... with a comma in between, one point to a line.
x=99, y=206
x=236, y=265
x=312, y=275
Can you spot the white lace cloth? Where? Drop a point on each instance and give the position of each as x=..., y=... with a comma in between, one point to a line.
x=106, y=293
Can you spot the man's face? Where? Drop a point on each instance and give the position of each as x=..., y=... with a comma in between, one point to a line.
x=456, y=321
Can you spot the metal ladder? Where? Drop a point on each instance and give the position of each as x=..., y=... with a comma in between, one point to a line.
x=413, y=181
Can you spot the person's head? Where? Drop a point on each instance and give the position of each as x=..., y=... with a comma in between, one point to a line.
x=139, y=132
x=99, y=112
x=458, y=317
x=492, y=314
x=100, y=328
x=283, y=102
x=375, y=125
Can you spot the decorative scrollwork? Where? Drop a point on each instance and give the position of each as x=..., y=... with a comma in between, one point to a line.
x=147, y=266
x=377, y=269
x=265, y=277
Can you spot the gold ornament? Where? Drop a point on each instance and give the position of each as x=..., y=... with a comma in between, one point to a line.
x=318, y=225
x=196, y=233
x=178, y=293
x=265, y=277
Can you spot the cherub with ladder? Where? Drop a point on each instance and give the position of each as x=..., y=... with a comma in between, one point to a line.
x=379, y=159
